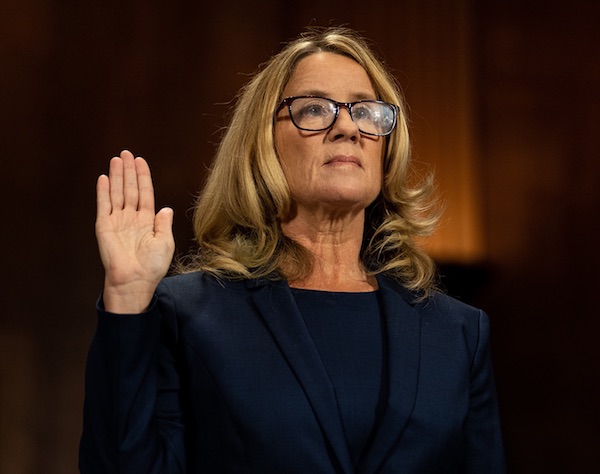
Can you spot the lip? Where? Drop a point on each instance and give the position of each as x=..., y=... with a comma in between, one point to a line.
x=343, y=159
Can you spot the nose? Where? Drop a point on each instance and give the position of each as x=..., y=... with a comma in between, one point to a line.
x=344, y=126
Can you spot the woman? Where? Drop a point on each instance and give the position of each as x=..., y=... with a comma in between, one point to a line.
x=305, y=336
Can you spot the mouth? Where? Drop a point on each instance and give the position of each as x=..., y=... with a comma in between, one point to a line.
x=343, y=160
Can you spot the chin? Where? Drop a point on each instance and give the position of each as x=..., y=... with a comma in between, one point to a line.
x=349, y=201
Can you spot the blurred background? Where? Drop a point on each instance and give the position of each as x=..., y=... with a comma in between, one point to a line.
x=504, y=107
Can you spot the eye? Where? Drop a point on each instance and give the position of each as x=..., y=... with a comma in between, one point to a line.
x=362, y=112
x=314, y=109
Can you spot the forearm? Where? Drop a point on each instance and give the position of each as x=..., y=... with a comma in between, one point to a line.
x=485, y=451
x=122, y=431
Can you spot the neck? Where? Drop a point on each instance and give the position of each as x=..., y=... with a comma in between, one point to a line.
x=334, y=244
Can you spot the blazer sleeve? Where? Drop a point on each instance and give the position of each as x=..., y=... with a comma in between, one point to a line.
x=133, y=420
x=485, y=451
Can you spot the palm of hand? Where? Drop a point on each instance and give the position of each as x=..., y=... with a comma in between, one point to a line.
x=136, y=246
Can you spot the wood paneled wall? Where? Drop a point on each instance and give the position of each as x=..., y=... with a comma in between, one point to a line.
x=540, y=81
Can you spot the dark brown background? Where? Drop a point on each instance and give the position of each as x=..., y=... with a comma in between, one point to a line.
x=514, y=83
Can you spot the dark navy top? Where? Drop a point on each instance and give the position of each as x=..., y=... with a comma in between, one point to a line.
x=347, y=331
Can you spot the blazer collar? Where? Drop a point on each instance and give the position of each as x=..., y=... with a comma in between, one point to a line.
x=280, y=313
x=403, y=330
x=402, y=324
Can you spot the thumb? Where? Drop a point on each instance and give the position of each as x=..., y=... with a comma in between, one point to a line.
x=163, y=223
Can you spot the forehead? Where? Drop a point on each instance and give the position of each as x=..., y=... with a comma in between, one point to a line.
x=332, y=75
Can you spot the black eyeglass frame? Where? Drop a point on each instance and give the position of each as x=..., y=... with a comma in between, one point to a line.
x=347, y=105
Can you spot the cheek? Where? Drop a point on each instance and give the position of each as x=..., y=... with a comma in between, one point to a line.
x=286, y=153
x=282, y=151
x=294, y=154
x=284, y=146
x=378, y=154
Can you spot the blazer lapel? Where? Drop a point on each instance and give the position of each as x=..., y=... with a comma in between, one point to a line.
x=403, y=326
x=280, y=313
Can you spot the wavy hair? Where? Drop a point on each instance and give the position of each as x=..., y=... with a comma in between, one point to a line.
x=238, y=214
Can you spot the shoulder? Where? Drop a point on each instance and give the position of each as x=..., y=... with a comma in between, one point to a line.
x=446, y=325
x=435, y=303
x=194, y=283
x=442, y=304
x=200, y=291
x=437, y=309
x=451, y=319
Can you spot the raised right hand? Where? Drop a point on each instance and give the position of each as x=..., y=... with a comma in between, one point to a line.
x=136, y=245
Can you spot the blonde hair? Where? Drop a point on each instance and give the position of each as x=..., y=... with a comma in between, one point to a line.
x=238, y=214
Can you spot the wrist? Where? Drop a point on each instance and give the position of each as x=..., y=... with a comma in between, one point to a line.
x=133, y=298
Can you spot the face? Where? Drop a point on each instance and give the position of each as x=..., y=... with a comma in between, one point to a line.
x=337, y=169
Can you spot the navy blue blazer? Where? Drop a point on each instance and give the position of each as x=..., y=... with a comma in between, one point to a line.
x=223, y=377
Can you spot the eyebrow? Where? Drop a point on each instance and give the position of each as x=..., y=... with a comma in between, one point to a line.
x=356, y=96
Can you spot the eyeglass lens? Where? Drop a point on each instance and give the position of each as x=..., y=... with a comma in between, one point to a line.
x=314, y=114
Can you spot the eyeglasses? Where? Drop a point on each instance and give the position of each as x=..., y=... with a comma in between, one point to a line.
x=313, y=114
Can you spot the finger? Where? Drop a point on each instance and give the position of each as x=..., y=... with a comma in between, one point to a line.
x=163, y=223
x=130, y=182
x=145, y=186
x=103, y=204
x=115, y=177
